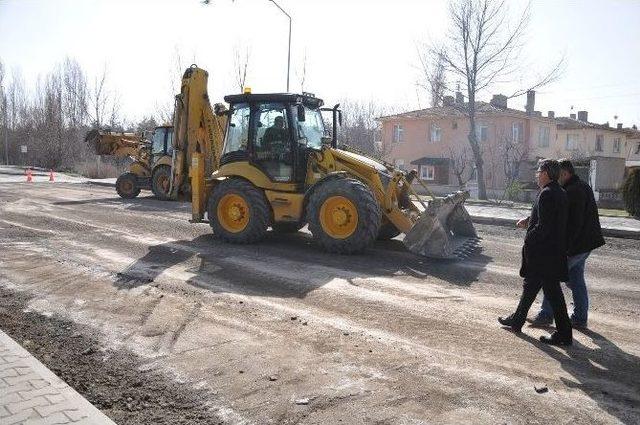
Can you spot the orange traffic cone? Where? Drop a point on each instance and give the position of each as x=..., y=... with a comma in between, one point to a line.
x=51, y=175
x=29, y=176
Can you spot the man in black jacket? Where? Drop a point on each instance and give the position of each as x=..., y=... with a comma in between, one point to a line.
x=583, y=236
x=544, y=255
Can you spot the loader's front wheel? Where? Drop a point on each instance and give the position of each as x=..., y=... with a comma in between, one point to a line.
x=344, y=216
x=127, y=186
x=238, y=211
x=161, y=182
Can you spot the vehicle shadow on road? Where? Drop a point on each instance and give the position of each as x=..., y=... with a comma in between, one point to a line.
x=282, y=265
x=607, y=374
x=142, y=203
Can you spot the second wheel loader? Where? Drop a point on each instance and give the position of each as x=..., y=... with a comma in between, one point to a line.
x=151, y=160
x=277, y=168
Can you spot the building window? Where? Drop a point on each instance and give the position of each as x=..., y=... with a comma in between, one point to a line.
x=517, y=132
x=482, y=133
x=599, y=142
x=398, y=133
x=427, y=172
x=399, y=164
x=454, y=125
x=543, y=137
x=436, y=133
x=638, y=149
x=616, y=145
x=572, y=142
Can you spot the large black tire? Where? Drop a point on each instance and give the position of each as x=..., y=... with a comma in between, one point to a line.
x=127, y=186
x=387, y=231
x=287, y=227
x=161, y=182
x=238, y=211
x=365, y=228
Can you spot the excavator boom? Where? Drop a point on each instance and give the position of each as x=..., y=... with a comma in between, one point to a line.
x=198, y=137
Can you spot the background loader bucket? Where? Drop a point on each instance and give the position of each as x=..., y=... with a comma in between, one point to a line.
x=444, y=229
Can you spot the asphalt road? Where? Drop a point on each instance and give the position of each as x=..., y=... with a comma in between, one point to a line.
x=280, y=332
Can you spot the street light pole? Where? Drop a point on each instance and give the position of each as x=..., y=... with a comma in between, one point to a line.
x=6, y=129
x=289, y=51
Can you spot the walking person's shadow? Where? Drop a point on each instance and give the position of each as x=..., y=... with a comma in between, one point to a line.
x=606, y=373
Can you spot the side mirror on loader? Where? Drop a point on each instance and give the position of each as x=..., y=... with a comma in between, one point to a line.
x=301, y=114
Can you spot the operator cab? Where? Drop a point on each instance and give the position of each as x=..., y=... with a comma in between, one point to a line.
x=161, y=142
x=274, y=132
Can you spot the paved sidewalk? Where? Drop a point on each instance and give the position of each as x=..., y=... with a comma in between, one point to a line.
x=611, y=226
x=32, y=394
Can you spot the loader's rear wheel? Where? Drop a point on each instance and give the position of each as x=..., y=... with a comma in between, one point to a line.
x=344, y=216
x=161, y=182
x=127, y=186
x=387, y=231
x=287, y=227
x=238, y=211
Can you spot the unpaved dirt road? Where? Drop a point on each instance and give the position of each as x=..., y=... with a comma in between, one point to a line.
x=280, y=332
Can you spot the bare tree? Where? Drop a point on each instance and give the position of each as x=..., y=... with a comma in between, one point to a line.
x=164, y=107
x=98, y=99
x=241, y=65
x=482, y=49
x=460, y=163
x=432, y=75
x=512, y=153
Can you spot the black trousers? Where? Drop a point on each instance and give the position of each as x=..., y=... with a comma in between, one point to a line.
x=553, y=292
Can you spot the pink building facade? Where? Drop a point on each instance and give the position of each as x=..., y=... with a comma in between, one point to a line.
x=434, y=142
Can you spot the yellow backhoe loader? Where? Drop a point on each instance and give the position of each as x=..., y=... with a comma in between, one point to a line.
x=151, y=166
x=267, y=162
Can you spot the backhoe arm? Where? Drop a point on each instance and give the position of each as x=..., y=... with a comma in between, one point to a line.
x=197, y=141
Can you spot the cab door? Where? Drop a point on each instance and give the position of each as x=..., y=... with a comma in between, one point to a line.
x=159, y=142
x=273, y=149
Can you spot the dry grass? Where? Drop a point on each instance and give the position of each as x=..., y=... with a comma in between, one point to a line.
x=98, y=170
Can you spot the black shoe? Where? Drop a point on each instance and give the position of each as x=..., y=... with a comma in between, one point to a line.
x=510, y=323
x=540, y=321
x=556, y=339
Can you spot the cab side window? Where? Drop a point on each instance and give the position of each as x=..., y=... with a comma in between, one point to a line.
x=238, y=133
x=157, y=141
x=272, y=133
x=273, y=142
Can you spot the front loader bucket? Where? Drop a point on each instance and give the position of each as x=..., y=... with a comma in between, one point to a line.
x=444, y=229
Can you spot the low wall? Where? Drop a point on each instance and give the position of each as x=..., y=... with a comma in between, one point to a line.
x=604, y=198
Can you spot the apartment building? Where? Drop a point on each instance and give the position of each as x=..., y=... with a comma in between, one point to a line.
x=434, y=140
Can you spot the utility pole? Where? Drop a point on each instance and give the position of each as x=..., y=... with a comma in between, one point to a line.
x=289, y=50
x=6, y=128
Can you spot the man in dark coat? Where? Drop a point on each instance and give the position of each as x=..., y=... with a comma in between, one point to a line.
x=583, y=236
x=544, y=255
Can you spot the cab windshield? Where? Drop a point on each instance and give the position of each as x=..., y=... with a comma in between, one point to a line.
x=312, y=128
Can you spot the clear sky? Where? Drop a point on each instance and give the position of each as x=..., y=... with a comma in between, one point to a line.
x=354, y=48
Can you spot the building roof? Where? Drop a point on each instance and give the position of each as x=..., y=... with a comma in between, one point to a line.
x=632, y=133
x=425, y=160
x=567, y=123
x=459, y=110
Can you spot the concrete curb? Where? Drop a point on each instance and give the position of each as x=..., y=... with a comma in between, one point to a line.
x=30, y=393
x=509, y=222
